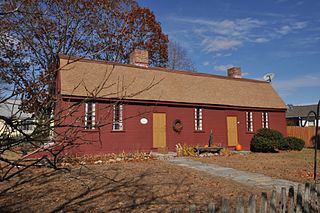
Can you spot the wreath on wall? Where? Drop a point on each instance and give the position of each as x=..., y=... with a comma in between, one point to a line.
x=177, y=125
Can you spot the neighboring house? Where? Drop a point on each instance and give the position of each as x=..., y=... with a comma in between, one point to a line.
x=24, y=121
x=134, y=107
x=298, y=115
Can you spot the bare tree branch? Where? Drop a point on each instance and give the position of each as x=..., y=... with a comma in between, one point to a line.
x=178, y=58
x=32, y=36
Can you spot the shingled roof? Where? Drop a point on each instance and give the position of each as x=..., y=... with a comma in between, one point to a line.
x=110, y=80
x=300, y=111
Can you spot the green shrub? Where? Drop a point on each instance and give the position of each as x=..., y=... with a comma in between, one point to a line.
x=268, y=140
x=261, y=144
x=283, y=145
x=270, y=134
x=295, y=143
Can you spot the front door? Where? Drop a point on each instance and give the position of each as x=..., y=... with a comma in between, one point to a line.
x=159, y=130
x=232, y=128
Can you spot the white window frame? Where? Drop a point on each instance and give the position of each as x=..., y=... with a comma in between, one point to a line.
x=265, y=120
x=91, y=114
x=198, y=119
x=249, y=121
x=117, y=121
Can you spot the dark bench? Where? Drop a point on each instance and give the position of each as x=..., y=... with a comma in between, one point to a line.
x=199, y=150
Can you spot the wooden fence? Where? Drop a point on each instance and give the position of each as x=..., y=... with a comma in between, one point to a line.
x=305, y=133
x=307, y=200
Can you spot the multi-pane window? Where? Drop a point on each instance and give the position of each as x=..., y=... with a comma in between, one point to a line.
x=198, y=119
x=27, y=124
x=249, y=121
x=265, y=120
x=90, y=116
x=117, y=123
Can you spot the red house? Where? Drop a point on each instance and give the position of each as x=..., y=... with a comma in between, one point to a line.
x=108, y=107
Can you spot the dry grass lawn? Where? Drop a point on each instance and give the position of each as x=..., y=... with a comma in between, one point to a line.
x=294, y=165
x=145, y=186
x=119, y=187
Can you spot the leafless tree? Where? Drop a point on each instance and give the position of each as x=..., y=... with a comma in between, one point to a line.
x=32, y=35
x=178, y=58
x=12, y=10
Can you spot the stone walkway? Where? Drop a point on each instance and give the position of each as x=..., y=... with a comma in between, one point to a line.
x=243, y=177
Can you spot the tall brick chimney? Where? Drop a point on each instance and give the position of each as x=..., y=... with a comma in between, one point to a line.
x=139, y=57
x=234, y=72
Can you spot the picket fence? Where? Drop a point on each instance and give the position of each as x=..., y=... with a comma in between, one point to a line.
x=303, y=201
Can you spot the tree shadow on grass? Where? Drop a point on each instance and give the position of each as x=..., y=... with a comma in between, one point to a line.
x=89, y=189
x=124, y=195
x=27, y=178
x=16, y=187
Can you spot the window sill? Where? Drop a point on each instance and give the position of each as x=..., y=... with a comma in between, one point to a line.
x=90, y=130
x=117, y=131
x=198, y=131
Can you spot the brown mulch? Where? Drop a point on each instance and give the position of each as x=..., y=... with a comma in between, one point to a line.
x=292, y=165
x=118, y=187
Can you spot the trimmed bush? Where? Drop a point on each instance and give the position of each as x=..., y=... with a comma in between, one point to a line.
x=270, y=134
x=268, y=140
x=261, y=144
x=283, y=145
x=295, y=143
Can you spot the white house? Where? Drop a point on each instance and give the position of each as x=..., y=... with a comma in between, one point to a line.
x=25, y=121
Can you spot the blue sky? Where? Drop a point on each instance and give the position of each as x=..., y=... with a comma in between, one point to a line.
x=278, y=36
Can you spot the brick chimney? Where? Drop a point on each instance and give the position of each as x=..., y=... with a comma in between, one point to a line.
x=139, y=57
x=234, y=72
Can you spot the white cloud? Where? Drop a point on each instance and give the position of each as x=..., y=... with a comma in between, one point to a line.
x=223, y=68
x=299, y=25
x=291, y=85
x=221, y=36
x=284, y=30
x=221, y=55
x=290, y=54
x=308, y=40
x=225, y=27
x=215, y=45
x=206, y=63
x=261, y=40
